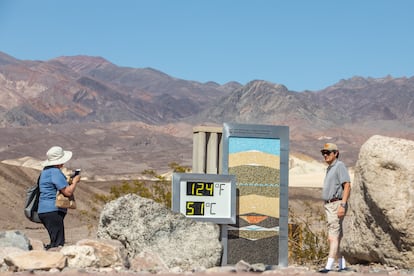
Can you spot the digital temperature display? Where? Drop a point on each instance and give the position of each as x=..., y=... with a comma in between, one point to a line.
x=194, y=208
x=200, y=188
x=208, y=197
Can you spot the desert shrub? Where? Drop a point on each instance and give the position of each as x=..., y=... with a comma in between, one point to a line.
x=158, y=190
x=308, y=241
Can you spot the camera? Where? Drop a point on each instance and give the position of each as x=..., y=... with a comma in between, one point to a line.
x=77, y=171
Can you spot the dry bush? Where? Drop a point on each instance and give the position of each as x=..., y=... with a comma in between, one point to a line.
x=158, y=190
x=308, y=241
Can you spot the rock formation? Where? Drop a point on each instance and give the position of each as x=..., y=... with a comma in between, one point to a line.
x=134, y=234
x=30, y=255
x=144, y=226
x=379, y=227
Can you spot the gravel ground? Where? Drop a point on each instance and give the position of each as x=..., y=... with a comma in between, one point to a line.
x=240, y=270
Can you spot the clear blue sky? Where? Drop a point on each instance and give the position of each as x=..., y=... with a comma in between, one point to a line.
x=301, y=44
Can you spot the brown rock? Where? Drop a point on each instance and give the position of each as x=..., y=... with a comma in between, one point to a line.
x=35, y=260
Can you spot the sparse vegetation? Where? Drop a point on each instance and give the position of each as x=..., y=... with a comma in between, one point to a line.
x=308, y=243
x=158, y=189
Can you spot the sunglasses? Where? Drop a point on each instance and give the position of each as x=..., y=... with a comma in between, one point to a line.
x=327, y=152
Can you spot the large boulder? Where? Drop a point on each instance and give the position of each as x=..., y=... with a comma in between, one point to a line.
x=379, y=227
x=144, y=226
x=14, y=239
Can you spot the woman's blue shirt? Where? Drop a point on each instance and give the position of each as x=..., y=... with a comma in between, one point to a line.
x=51, y=180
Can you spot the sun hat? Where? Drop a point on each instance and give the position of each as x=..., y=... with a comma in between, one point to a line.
x=330, y=147
x=56, y=156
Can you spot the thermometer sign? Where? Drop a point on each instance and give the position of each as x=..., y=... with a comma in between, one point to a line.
x=209, y=197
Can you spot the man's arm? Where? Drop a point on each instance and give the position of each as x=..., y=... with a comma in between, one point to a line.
x=345, y=197
x=347, y=192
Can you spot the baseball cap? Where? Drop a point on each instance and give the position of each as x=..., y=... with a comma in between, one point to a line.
x=330, y=147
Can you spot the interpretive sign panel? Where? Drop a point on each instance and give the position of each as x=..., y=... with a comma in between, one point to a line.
x=258, y=156
x=208, y=197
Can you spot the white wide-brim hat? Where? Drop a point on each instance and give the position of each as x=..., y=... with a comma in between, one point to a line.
x=56, y=156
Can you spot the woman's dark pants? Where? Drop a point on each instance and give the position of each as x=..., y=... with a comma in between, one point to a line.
x=53, y=221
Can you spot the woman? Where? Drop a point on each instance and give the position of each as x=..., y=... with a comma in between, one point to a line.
x=51, y=180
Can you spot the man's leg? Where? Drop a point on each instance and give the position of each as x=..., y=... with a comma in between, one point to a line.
x=333, y=250
x=342, y=263
x=334, y=234
x=341, y=259
x=335, y=247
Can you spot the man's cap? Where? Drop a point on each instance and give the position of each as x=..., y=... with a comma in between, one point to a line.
x=330, y=146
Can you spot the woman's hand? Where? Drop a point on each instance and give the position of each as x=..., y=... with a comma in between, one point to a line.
x=70, y=189
x=76, y=179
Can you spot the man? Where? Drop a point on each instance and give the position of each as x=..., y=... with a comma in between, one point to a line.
x=336, y=190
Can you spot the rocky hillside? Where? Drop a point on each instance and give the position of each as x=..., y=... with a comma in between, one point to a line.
x=91, y=89
x=348, y=102
x=133, y=119
x=346, y=113
x=104, y=151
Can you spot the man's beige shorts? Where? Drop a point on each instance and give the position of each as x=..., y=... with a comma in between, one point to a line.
x=334, y=223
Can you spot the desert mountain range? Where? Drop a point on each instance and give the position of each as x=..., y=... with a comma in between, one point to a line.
x=119, y=121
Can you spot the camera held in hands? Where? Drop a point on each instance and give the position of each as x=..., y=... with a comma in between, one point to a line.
x=77, y=172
